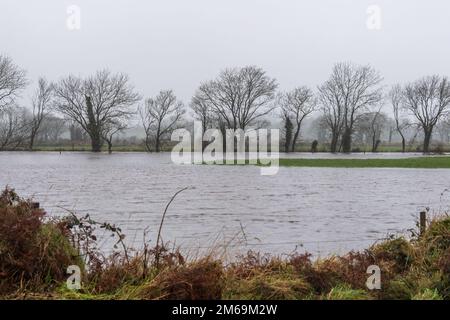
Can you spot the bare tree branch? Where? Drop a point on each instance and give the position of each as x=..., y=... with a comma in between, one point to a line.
x=349, y=92
x=12, y=81
x=240, y=96
x=428, y=99
x=297, y=105
x=41, y=104
x=160, y=116
x=96, y=102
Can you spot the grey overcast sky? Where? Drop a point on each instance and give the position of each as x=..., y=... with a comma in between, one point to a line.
x=179, y=43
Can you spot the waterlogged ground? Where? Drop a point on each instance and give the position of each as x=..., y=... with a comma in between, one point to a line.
x=322, y=210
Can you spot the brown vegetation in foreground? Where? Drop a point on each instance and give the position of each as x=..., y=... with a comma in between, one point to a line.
x=35, y=252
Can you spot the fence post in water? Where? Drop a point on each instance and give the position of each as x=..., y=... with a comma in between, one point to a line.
x=423, y=222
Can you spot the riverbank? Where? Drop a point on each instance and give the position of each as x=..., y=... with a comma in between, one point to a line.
x=36, y=252
x=435, y=162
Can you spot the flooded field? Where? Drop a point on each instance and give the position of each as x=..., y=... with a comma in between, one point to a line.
x=322, y=210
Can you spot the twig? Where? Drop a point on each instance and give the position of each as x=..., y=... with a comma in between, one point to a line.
x=243, y=232
x=162, y=222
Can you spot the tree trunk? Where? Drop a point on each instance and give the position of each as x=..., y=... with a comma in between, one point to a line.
x=31, y=145
x=157, y=144
x=287, y=145
x=109, y=146
x=223, y=131
x=403, y=138
x=148, y=143
x=294, y=140
x=96, y=142
x=403, y=144
x=375, y=142
x=375, y=145
x=158, y=138
x=288, y=136
x=334, y=142
x=427, y=139
x=347, y=141
x=93, y=127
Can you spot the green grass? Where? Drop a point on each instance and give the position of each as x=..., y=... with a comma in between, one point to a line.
x=345, y=292
x=419, y=162
x=393, y=147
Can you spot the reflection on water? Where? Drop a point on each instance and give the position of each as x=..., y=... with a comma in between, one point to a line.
x=322, y=210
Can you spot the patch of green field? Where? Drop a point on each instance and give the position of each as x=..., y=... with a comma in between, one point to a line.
x=419, y=162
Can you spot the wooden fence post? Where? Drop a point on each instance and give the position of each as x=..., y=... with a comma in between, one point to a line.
x=423, y=222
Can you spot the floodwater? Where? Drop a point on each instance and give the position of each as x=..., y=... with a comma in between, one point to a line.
x=321, y=210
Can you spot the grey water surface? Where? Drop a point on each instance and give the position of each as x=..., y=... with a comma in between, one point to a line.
x=321, y=210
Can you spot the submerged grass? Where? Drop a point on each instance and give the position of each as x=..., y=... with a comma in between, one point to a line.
x=434, y=162
x=35, y=252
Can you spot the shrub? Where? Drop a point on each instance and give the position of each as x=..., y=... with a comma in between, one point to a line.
x=328, y=273
x=254, y=263
x=115, y=272
x=34, y=254
x=396, y=252
x=398, y=289
x=323, y=275
x=437, y=237
x=200, y=280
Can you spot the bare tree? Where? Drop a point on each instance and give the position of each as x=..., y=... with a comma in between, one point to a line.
x=148, y=122
x=13, y=127
x=321, y=129
x=202, y=110
x=96, y=102
x=41, y=103
x=51, y=129
x=110, y=130
x=369, y=128
x=160, y=116
x=288, y=126
x=443, y=128
x=428, y=99
x=240, y=96
x=391, y=128
x=415, y=131
x=12, y=81
x=396, y=98
x=377, y=124
x=297, y=105
x=349, y=92
x=77, y=134
x=333, y=112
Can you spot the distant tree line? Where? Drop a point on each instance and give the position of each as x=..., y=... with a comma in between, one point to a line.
x=348, y=108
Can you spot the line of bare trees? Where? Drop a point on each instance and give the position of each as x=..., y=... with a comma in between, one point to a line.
x=349, y=103
x=352, y=98
x=12, y=123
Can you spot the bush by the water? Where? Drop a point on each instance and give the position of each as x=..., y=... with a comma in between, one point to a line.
x=35, y=252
